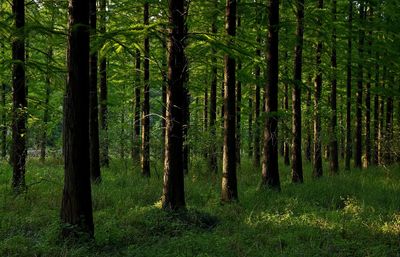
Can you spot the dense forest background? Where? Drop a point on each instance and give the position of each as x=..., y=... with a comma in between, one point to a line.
x=241, y=128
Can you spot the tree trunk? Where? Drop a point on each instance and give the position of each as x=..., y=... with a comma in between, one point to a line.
x=164, y=92
x=297, y=163
x=257, y=125
x=286, y=133
x=349, y=144
x=333, y=146
x=212, y=156
x=381, y=132
x=388, y=158
x=137, y=106
x=93, y=102
x=19, y=99
x=317, y=151
x=76, y=208
x=238, y=100
x=104, y=158
x=368, y=98
x=3, y=118
x=173, y=192
x=145, y=154
x=43, y=140
x=270, y=172
x=229, y=180
x=308, y=124
x=358, y=136
x=375, y=159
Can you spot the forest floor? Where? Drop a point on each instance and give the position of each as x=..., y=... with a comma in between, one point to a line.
x=356, y=213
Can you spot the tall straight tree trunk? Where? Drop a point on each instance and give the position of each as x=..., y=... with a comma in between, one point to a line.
x=297, y=163
x=137, y=106
x=145, y=153
x=3, y=120
x=43, y=140
x=238, y=99
x=388, y=158
x=164, y=91
x=308, y=150
x=93, y=102
x=212, y=156
x=359, y=94
x=19, y=98
x=381, y=131
x=270, y=171
x=349, y=144
x=186, y=119
x=375, y=159
x=317, y=151
x=333, y=145
x=250, y=125
x=76, y=208
x=173, y=191
x=229, y=180
x=368, y=98
x=104, y=158
x=257, y=125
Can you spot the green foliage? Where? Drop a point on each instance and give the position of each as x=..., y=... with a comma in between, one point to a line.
x=353, y=214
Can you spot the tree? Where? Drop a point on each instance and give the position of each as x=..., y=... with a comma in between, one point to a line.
x=297, y=164
x=270, y=172
x=136, y=122
x=317, y=152
x=229, y=180
x=348, y=87
x=93, y=101
x=145, y=153
x=19, y=98
x=173, y=191
x=76, y=208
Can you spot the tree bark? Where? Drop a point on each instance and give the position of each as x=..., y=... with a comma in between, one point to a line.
x=76, y=208
x=173, y=192
x=145, y=153
x=349, y=144
x=229, y=180
x=286, y=133
x=19, y=98
x=297, y=163
x=104, y=158
x=368, y=98
x=359, y=94
x=375, y=159
x=308, y=151
x=43, y=140
x=270, y=172
x=95, y=174
x=238, y=100
x=317, y=151
x=333, y=146
x=388, y=158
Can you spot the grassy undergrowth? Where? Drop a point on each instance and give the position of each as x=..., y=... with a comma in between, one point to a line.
x=354, y=214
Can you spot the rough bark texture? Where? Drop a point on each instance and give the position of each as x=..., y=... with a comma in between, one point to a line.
x=229, y=180
x=76, y=208
x=317, y=149
x=297, y=163
x=19, y=98
x=164, y=91
x=375, y=159
x=104, y=158
x=95, y=174
x=270, y=172
x=43, y=140
x=349, y=144
x=333, y=144
x=173, y=192
x=238, y=99
x=359, y=94
x=145, y=154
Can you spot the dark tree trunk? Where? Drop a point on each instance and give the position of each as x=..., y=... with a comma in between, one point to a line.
x=164, y=92
x=186, y=118
x=212, y=156
x=368, y=98
x=270, y=170
x=333, y=145
x=349, y=144
x=238, y=100
x=145, y=153
x=137, y=106
x=381, y=130
x=375, y=159
x=76, y=208
x=173, y=192
x=308, y=124
x=95, y=174
x=19, y=98
x=297, y=163
x=257, y=125
x=317, y=151
x=104, y=158
x=3, y=117
x=388, y=158
x=359, y=94
x=229, y=180
x=43, y=140
x=250, y=125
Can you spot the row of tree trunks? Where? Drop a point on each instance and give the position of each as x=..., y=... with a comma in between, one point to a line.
x=349, y=144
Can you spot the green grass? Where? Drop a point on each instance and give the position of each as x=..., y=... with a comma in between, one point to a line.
x=354, y=214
